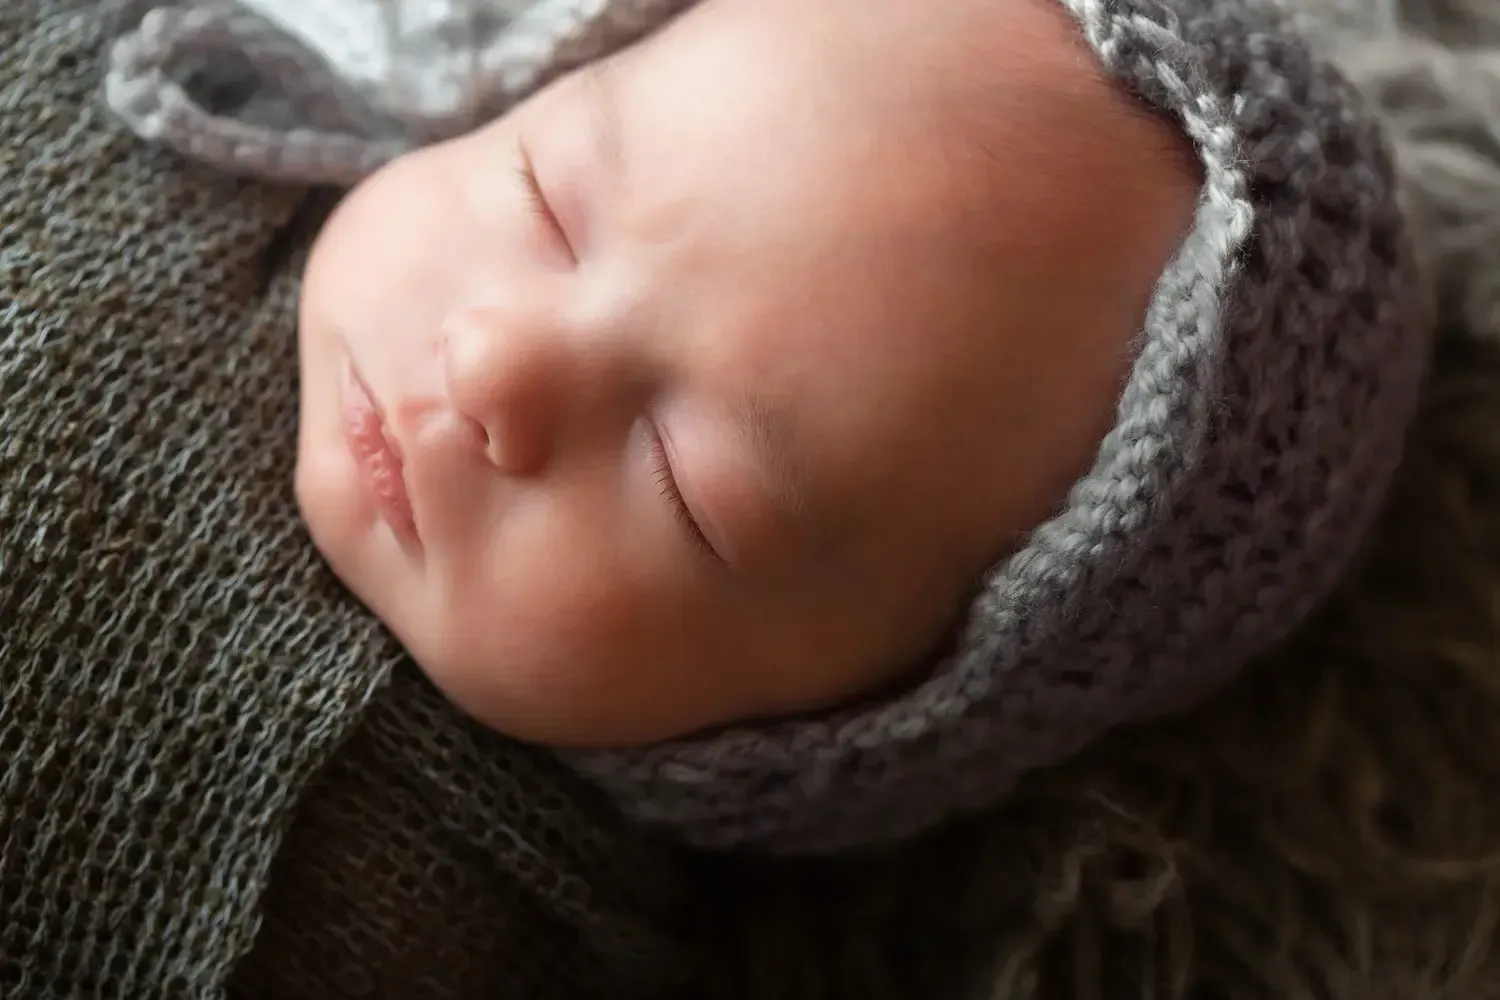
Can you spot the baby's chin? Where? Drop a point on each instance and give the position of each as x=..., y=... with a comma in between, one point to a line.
x=521, y=689
x=526, y=702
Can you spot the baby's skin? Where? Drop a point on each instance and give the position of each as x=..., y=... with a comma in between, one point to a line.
x=705, y=384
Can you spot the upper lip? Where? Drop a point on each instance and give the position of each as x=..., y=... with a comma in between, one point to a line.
x=369, y=394
x=388, y=436
x=359, y=379
x=387, y=433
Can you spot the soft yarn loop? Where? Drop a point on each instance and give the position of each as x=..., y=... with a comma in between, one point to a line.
x=388, y=70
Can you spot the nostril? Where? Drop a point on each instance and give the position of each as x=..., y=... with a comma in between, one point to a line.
x=504, y=377
x=481, y=436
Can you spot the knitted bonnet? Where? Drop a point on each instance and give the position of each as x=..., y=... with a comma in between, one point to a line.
x=1277, y=368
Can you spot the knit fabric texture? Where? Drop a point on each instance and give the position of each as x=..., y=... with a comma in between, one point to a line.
x=340, y=88
x=1277, y=369
x=218, y=775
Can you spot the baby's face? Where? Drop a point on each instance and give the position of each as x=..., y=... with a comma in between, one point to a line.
x=703, y=385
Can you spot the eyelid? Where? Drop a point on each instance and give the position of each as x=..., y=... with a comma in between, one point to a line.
x=666, y=481
x=540, y=204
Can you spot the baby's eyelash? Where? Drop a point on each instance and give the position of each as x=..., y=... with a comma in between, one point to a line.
x=527, y=173
x=666, y=482
x=535, y=197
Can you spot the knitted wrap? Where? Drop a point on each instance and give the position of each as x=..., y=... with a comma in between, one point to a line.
x=1277, y=368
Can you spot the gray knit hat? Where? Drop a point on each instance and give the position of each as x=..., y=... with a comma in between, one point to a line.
x=1278, y=366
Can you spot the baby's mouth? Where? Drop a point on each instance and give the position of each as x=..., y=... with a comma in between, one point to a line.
x=377, y=455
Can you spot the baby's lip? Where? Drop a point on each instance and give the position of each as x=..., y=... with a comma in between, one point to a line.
x=370, y=439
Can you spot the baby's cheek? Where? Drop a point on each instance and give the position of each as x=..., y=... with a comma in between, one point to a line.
x=338, y=515
x=550, y=640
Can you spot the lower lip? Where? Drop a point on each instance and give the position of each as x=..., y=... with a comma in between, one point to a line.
x=379, y=464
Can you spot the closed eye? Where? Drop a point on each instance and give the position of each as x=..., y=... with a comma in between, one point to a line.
x=537, y=200
x=666, y=483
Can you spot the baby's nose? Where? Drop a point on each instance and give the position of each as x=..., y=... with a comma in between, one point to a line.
x=506, y=376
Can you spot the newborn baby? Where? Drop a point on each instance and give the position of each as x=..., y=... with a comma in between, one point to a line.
x=705, y=384
x=814, y=416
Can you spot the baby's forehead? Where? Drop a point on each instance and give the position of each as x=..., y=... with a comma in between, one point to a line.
x=973, y=66
x=905, y=61
x=986, y=98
